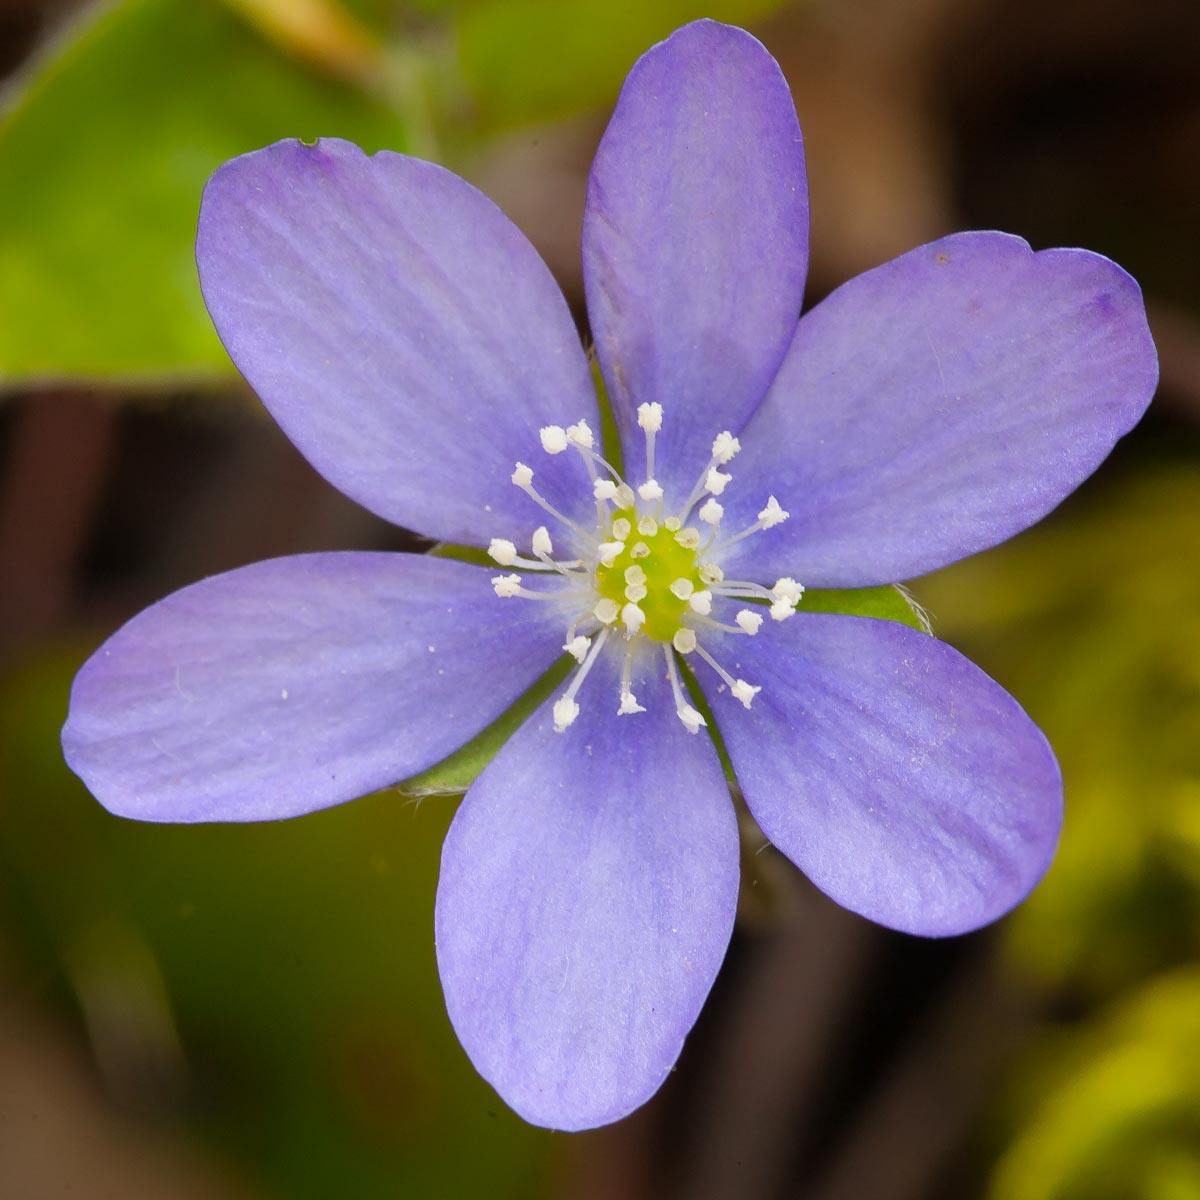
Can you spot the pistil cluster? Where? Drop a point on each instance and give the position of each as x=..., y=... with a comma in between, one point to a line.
x=648, y=578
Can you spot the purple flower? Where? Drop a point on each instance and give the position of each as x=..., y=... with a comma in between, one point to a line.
x=411, y=343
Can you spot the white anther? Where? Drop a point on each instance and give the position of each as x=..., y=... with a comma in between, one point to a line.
x=636, y=592
x=625, y=496
x=632, y=617
x=716, y=481
x=580, y=434
x=711, y=512
x=506, y=585
x=650, y=417
x=554, y=438
x=650, y=490
x=749, y=621
x=711, y=573
x=522, y=476
x=782, y=609
x=682, y=588
x=691, y=719
x=640, y=550
x=565, y=711
x=604, y=489
x=744, y=692
x=688, y=538
x=629, y=704
x=621, y=529
x=700, y=602
x=724, y=447
x=606, y=610
x=606, y=552
x=772, y=515
x=503, y=551
x=788, y=589
x=635, y=574
x=647, y=527
x=542, y=545
x=577, y=647
x=674, y=524
x=684, y=640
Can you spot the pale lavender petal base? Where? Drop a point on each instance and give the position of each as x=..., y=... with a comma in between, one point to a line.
x=586, y=900
x=900, y=779
x=402, y=331
x=298, y=683
x=695, y=242
x=937, y=405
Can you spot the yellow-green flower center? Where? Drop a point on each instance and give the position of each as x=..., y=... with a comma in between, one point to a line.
x=657, y=568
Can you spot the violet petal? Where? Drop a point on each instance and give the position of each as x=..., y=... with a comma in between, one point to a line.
x=586, y=899
x=298, y=683
x=900, y=779
x=937, y=405
x=401, y=330
x=695, y=242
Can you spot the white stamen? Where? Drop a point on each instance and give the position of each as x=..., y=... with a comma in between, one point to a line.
x=608, y=551
x=636, y=592
x=650, y=490
x=522, y=476
x=739, y=688
x=633, y=618
x=772, y=515
x=674, y=524
x=716, y=481
x=711, y=573
x=781, y=610
x=604, y=489
x=788, y=589
x=580, y=435
x=650, y=417
x=640, y=550
x=684, y=640
x=506, y=585
x=621, y=529
x=503, y=551
x=625, y=496
x=711, y=512
x=749, y=621
x=691, y=719
x=554, y=438
x=647, y=527
x=565, y=711
x=629, y=704
x=543, y=547
x=606, y=610
x=688, y=538
x=724, y=447
x=577, y=647
x=700, y=602
x=635, y=574
x=682, y=588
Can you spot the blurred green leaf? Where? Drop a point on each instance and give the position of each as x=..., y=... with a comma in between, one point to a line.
x=104, y=155
x=1121, y=1116
x=531, y=60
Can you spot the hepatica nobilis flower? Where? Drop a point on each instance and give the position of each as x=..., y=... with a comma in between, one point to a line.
x=411, y=343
